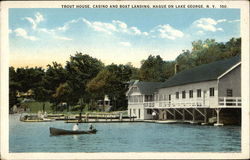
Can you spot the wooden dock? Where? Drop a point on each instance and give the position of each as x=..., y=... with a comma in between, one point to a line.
x=95, y=118
x=173, y=121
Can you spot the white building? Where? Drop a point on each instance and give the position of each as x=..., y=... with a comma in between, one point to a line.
x=195, y=93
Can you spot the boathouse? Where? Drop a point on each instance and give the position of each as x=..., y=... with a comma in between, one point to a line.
x=198, y=94
x=140, y=96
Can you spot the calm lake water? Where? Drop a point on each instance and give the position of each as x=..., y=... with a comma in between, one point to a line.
x=124, y=137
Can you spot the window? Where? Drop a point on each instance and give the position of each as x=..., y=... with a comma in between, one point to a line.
x=177, y=95
x=134, y=111
x=134, y=89
x=183, y=94
x=211, y=92
x=149, y=111
x=165, y=97
x=190, y=93
x=161, y=97
x=229, y=93
x=198, y=92
x=169, y=97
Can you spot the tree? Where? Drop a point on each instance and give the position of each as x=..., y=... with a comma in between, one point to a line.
x=100, y=85
x=41, y=95
x=29, y=78
x=134, y=71
x=14, y=86
x=81, y=68
x=152, y=69
x=55, y=75
x=112, y=81
x=63, y=94
x=208, y=51
x=169, y=68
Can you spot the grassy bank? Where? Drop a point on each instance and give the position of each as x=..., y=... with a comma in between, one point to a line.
x=34, y=107
x=37, y=106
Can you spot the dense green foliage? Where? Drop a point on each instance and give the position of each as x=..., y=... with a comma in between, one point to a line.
x=84, y=79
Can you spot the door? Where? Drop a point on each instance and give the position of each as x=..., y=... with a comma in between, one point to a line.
x=205, y=98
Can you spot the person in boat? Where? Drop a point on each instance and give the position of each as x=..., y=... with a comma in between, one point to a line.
x=154, y=115
x=75, y=127
x=91, y=127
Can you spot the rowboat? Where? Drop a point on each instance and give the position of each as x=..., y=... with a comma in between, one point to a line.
x=56, y=131
x=33, y=118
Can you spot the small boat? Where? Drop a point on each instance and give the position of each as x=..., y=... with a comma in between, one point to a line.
x=56, y=131
x=34, y=118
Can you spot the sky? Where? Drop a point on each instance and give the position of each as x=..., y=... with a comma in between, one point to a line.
x=40, y=36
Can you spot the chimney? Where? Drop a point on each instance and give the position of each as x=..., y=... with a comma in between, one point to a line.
x=176, y=68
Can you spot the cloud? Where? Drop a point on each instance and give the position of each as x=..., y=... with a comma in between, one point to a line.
x=135, y=31
x=120, y=24
x=34, y=22
x=108, y=28
x=126, y=44
x=115, y=26
x=200, y=32
x=20, y=32
x=38, y=18
x=66, y=26
x=167, y=32
x=62, y=38
x=233, y=21
x=208, y=24
x=221, y=20
x=145, y=33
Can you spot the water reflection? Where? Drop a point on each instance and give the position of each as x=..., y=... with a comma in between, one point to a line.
x=75, y=137
x=124, y=137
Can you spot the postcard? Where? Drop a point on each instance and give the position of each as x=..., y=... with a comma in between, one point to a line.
x=124, y=80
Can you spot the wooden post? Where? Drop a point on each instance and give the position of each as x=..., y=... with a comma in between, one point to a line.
x=218, y=117
x=174, y=115
x=193, y=114
x=205, y=117
x=183, y=112
x=224, y=102
x=166, y=114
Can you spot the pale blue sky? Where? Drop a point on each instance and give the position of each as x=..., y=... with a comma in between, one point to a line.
x=40, y=36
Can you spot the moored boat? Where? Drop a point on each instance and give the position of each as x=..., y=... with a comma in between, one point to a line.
x=34, y=118
x=57, y=131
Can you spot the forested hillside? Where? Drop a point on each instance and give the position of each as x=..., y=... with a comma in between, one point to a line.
x=84, y=79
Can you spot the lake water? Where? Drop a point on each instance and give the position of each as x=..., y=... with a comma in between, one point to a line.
x=124, y=137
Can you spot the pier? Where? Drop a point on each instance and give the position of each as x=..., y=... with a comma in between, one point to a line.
x=94, y=118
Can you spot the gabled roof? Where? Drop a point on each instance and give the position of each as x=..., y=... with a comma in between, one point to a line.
x=148, y=88
x=205, y=72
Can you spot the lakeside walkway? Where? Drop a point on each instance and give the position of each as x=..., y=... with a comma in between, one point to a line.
x=172, y=121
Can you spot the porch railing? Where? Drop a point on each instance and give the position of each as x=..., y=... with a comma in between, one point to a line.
x=230, y=101
x=223, y=102
x=178, y=104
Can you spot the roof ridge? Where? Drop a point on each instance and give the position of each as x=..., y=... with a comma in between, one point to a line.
x=212, y=71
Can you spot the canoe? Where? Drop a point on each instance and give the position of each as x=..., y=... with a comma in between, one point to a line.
x=56, y=131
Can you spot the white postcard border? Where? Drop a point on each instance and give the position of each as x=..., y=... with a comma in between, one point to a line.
x=243, y=5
